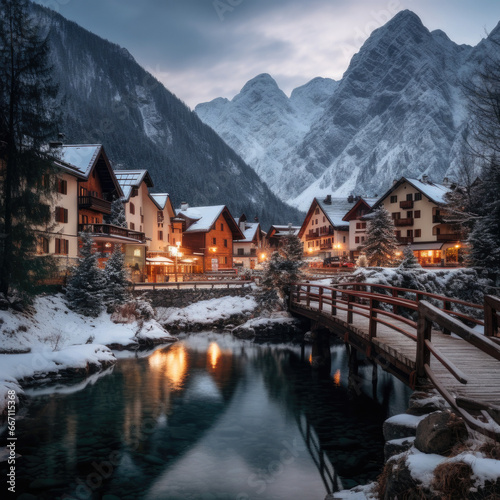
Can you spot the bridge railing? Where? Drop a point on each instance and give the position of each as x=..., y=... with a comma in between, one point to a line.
x=429, y=314
x=491, y=310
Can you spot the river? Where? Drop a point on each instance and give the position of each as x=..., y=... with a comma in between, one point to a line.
x=209, y=417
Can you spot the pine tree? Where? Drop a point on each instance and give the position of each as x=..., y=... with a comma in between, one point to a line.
x=284, y=267
x=117, y=216
x=381, y=243
x=116, y=278
x=27, y=120
x=484, y=239
x=362, y=261
x=85, y=289
x=409, y=260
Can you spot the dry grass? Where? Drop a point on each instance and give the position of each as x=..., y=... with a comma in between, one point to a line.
x=490, y=449
x=126, y=313
x=452, y=480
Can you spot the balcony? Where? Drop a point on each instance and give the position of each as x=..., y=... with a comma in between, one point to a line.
x=405, y=240
x=112, y=231
x=312, y=235
x=94, y=203
x=407, y=204
x=403, y=222
x=325, y=246
x=448, y=237
x=437, y=219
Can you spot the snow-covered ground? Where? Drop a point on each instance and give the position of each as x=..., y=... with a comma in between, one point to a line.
x=52, y=339
x=206, y=312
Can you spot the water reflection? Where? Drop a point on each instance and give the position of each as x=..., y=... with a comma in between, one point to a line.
x=209, y=415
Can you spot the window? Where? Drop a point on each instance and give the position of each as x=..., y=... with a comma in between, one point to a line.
x=132, y=208
x=416, y=214
x=362, y=239
x=225, y=243
x=396, y=215
x=62, y=186
x=42, y=245
x=409, y=233
x=221, y=226
x=363, y=225
x=160, y=235
x=241, y=251
x=356, y=239
x=159, y=217
x=316, y=221
x=409, y=197
x=418, y=196
x=398, y=234
x=418, y=233
x=214, y=241
x=316, y=212
x=394, y=198
x=61, y=215
x=62, y=246
x=409, y=214
x=358, y=225
x=132, y=226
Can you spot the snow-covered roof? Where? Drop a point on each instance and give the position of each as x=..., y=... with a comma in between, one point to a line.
x=160, y=199
x=80, y=156
x=336, y=210
x=129, y=179
x=204, y=217
x=284, y=230
x=249, y=233
x=435, y=192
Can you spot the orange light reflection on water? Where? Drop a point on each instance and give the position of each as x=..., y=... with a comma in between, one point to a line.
x=213, y=354
x=336, y=378
x=173, y=363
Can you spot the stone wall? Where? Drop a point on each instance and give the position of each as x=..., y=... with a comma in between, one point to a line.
x=183, y=297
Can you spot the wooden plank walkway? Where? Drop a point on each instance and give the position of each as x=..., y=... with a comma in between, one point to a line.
x=385, y=344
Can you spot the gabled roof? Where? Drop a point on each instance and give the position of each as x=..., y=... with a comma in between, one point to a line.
x=251, y=229
x=434, y=192
x=334, y=210
x=81, y=157
x=130, y=179
x=278, y=231
x=360, y=203
x=203, y=218
x=160, y=199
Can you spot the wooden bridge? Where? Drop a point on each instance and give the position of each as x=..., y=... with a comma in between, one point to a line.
x=418, y=337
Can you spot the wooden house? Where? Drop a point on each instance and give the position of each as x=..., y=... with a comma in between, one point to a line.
x=248, y=252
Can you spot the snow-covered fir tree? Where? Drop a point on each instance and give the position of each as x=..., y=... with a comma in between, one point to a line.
x=362, y=261
x=84, y=292
x=409, y=261
x=117, y=215
x=484, y=239
x=284, y=266
x=381, y=243
x=116, y=279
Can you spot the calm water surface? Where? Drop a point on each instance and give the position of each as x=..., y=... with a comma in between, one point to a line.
x=209, y=417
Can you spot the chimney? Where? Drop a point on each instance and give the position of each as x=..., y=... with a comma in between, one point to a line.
x=425, y=178
x=328, y=199
x=394, y=182
x=242, y=226
x=350, y=198
x=256, y=219
x=55, y=144
x=446, y=182
x=184, y=205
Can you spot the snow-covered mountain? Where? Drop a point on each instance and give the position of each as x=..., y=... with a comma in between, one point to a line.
x=108, y=98
x=398, y=110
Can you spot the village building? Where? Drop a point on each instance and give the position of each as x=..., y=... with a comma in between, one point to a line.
x=358, y=224
x=86, y=187
x=208, y=234
x=324, y=232
x=276, y=235
x=418, y=209
x=249, y=251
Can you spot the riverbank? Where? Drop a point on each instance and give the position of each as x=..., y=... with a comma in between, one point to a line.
x=49, y=342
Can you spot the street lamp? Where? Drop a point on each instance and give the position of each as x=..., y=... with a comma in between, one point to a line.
x=174, y=251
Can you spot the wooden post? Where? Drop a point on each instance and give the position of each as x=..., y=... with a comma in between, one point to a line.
x=298, y=292
x=320, y=299
x=334, y=302
x=350, y=299
x=372, y=328
x=491, y=306
x=308, y=296
x=424, y=329
x=395, y=307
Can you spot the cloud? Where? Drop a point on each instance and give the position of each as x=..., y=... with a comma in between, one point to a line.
x=202, y=49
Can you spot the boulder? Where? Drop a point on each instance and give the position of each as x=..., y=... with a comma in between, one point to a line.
x=400, y=426
x=439, y=432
